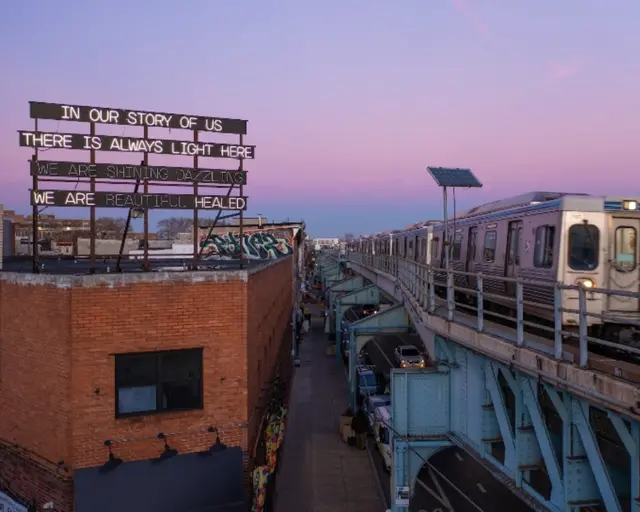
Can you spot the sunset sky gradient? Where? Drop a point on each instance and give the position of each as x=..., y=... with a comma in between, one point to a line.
x=348, y=100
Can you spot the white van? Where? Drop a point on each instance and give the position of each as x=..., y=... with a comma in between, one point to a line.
x=382, y=433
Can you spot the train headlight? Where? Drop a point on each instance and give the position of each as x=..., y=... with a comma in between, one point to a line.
x=629, y=204
x=586, y=283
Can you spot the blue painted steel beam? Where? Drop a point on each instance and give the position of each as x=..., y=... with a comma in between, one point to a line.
x=502, y=416
x=579, y=476
x=631, y=440
x=580, y=412
x=346, y=285
x=420, y=400
x=367, y=295
x=392, y=320
x=530, y=399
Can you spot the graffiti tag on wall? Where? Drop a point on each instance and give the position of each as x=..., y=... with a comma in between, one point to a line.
x=257, y=245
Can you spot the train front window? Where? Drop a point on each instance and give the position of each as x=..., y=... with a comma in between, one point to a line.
x=625, y=248
x=584, y=244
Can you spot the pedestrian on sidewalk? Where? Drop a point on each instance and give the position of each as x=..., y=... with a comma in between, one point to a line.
x=360, y=427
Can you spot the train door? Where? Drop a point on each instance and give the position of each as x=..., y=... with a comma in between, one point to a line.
x=512, y=264
x=471, y=257
x=416, y=249
x=423, y=250
x=623, y=273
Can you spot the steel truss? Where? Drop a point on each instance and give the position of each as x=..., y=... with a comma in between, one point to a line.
x=505, y=417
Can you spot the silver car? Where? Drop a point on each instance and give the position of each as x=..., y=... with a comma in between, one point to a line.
x=408, y=356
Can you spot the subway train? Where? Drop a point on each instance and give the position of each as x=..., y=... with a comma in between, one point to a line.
x=541, y=238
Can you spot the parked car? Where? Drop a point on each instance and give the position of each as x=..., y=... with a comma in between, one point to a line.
x=408, y=356
x=367, y=382
x=372, y=402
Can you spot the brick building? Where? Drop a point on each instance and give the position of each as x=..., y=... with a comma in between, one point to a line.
x=92, y=361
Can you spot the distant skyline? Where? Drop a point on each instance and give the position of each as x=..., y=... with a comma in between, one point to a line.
x=347, y=102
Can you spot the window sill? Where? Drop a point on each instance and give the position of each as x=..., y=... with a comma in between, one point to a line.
x=135, y=417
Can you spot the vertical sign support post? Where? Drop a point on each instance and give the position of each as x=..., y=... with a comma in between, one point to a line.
x=34, y=217
x=196, y=221
x=446, y=243
x=241, y=234
x=145, y=241
x=92, y=210
x=126, y=228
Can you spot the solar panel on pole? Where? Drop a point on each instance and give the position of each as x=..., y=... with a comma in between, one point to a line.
x=452, y=178
x=459, y=178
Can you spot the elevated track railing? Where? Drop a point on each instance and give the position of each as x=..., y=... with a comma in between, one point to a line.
x=572, y=315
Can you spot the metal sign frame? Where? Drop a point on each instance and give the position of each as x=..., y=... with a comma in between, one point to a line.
x=138, y=202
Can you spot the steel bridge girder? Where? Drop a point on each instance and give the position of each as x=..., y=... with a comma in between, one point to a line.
x=367, y=295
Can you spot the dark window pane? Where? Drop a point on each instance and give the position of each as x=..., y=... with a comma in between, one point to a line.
x=136, y=370
x=181, y=395
x=584, y=243
x=457, y=247
x=181, y=365
x=543, y=251
x=625, y=248
x=489, y=249
x=160, y=381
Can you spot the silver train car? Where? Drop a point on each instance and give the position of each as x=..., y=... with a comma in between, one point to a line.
x=540, y=237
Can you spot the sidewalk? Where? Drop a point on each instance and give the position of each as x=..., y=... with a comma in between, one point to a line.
x=319, y=472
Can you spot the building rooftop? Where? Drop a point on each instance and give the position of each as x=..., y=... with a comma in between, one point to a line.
x=82, y=266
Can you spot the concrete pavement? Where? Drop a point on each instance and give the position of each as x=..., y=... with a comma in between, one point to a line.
x=319, y=472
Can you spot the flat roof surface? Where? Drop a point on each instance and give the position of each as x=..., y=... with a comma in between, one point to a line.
x=83, y=266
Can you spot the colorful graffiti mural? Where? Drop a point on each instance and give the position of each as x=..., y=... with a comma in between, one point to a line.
x=257, y=245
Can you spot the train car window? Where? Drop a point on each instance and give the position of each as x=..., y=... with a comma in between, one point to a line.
x=489, y=249
x=457, y=247
x=423, y=249
x=471, y=246
x=404, y=251
x=584, y=243
x=543, y=251
x=626, y=248
x=434, y=249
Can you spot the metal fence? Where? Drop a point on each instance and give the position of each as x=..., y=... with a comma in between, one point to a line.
x=437, y=289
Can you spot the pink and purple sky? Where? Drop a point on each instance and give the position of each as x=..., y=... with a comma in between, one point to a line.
x=348, y=101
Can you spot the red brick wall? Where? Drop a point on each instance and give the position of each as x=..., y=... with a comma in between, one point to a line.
x=57, y=347
x=150, y=316
x=269, y=305
x=36, y=481
x=35, y=373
